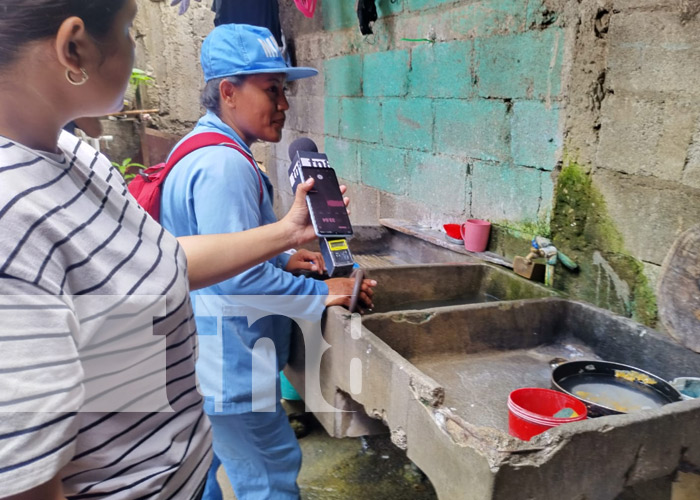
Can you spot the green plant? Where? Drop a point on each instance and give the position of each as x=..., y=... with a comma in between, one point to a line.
x=133, y=93
x=127, y=168
x=139, y=76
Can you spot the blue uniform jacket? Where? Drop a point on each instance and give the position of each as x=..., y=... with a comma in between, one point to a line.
x=216, y=190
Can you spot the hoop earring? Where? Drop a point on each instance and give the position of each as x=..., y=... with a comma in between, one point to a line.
x=86, y=77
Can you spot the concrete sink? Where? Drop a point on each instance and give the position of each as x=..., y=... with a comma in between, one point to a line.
x=426, y=286
x=439, y=379
x=443, y=349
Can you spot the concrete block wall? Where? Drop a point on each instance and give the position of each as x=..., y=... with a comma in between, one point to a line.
x=650, y=125
x=632, y=121
x=479, y=120
x=446, y=96
x=483, y=118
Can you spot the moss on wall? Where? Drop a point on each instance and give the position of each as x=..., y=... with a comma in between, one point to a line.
x=513, y=238
x=582, y=229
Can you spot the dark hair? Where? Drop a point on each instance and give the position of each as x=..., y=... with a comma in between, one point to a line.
x=210, y=98
x=24, y=21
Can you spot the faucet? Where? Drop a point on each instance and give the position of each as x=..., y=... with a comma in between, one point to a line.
x=542, y=247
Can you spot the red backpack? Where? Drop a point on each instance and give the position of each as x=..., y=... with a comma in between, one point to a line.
x=146, y=187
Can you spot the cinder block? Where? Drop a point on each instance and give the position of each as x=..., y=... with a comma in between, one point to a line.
x=305, y=114
x=364, y=205
x=442, y=70
x=331, y=116
x=477, y=129
x=386, y=73
x=644, y=4
x=539, y=12
x=691, y=173
x=403, y=208
x=437, y=180
x=523, y=66
x=535, y=136
x=501, y=192
x=646, y=137
x=465, y=20
x=654, y=52
x=338, y=15
x=649, y=213
x=295, y=113
x=425, y=4
x=360, y=119
x=408, y=123
x=481, y=19
x=343, y=158
x=389, y=7
x=547, y=185
x=343, y=76
x=383, y=168
x=309, y=86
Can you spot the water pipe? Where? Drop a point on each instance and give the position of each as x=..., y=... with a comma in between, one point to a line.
x=542, y=247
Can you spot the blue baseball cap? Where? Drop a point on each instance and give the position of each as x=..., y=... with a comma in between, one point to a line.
x=242, y=49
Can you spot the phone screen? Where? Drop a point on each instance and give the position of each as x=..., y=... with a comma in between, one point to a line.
x=328, y=213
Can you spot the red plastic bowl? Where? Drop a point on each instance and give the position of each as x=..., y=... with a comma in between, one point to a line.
x=531, y=411
x=453, y=231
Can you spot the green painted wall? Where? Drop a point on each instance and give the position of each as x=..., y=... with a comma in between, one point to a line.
x=457, y=107
x=474, y=110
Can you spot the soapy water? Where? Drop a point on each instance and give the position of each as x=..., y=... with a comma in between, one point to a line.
x=614, y=394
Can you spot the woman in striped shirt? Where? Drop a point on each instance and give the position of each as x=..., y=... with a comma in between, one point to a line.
x=98, y=395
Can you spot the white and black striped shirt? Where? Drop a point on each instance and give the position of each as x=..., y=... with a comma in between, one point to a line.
x=84, y=392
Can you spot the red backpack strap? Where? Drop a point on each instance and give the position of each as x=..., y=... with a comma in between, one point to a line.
x=205, y=139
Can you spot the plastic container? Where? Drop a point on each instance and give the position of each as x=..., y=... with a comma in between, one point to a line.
x=531, y=410
x=475, y=233
x=287, y=389
x=453, y=233
x=689, y=387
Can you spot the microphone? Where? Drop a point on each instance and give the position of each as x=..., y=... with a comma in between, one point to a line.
x=326, y=207
x=303, y=152
x=302, y=144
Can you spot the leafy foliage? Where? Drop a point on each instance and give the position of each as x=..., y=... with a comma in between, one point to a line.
x=139, y=76
x=128, y=169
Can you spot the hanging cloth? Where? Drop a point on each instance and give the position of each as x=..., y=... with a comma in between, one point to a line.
x=307, y=7
x=366, y=13
x=184, y=5
x=264, y=13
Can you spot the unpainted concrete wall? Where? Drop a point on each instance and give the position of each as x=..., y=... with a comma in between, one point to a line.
x=457, y=109
x=632, y=122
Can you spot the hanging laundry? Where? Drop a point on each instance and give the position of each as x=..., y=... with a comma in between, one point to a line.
x=264, y=13
x=184, y=5
x=366, y=13
x=307, y=7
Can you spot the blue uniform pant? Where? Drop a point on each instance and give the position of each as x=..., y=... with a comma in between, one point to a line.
x=260, y=454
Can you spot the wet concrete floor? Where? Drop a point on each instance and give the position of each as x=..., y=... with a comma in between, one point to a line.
x=351, y=468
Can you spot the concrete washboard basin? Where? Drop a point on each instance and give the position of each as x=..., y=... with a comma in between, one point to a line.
x=438, y=358
x=424, y=286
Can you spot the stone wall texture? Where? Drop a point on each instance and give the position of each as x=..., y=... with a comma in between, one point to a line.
x=463, y=108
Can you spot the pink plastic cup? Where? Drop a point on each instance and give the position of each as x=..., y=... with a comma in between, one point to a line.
x=475, y=233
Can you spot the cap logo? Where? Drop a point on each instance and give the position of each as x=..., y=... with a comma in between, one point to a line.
x=270, y=47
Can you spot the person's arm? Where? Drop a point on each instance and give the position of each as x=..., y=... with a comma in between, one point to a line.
x=52, y=490
x=212, y=258
x=41, y=389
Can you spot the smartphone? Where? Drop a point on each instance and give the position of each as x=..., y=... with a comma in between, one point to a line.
x=326, y=206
